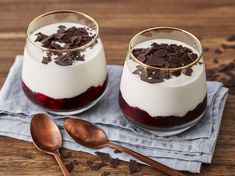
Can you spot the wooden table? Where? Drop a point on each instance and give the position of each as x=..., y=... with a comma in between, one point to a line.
x=210, y=20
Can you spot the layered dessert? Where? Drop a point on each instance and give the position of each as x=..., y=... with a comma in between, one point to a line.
x=57, y=76
x=161, y=90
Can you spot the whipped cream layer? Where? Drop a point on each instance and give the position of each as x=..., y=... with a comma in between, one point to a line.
x=58, y=81
x=173, y=97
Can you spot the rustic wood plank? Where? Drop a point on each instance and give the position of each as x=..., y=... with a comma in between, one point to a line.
x=210, y=20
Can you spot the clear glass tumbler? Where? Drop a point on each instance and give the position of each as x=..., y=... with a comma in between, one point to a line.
x=163, y=85
x=64, y=66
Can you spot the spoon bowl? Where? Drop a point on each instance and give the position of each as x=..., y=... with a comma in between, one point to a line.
x=85, y=133
x=47, y=138
x=90, y=135
x=45, y=133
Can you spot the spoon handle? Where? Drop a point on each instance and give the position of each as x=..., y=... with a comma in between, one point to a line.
x=61, y=164
x=147, y=160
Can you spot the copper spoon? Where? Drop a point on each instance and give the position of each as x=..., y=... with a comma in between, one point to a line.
x=47, y=138
x=90, y=135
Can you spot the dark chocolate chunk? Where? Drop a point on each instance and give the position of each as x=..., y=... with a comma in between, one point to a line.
x=188, y=71
x=206, y=49
x=46, y=60
x=104, y=157
x=133, y=167
x=231, y=38
x=105, y=174
x=163, y=56
x=114, y=162
x=40, y=37
x=64, y=61
x=89, y=163
x=215, y=60
x=222, y=67
x=193, y=56
x=218, y=51
x=70, y=166
x=66, y=155
x=226, y=46
x=98, y=166
x=75, y=162
x=116, y=151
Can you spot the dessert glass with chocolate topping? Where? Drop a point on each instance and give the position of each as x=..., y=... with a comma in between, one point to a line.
x=163, y=85
x=64, y=67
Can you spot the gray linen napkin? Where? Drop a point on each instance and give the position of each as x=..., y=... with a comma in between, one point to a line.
x=186, y=151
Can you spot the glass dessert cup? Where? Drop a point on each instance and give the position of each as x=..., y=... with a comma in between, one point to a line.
x=64, y=67
x=163, y=85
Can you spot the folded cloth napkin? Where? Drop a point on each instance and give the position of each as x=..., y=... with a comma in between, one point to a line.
x=186, y=151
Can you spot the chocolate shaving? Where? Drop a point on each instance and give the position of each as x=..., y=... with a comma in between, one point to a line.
x=231, y=38
x=105, y=174
x=114, y=162
x=70, y=166
x=104, y=157
x=206, y=49
x=218, y=51
x=70, y=38
x=226, y=46
x=133, y=167
x=188, y=71
x=66, y=155
x=46, y=60
x=96, y=167
x=163, y=56
x=215, y=61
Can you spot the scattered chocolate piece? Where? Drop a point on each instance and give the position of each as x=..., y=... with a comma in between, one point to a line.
x=206, y=49
x=65, y=61
x=98, y=166
x=40, y=37
x=66, y=155
x=70, y=166
x=46, y=60
x=105, y=174
x=75, y=162
x=222, y=67
x=89, y=163
x=133, y=167
x=104, y=157
x=231, y=38
x=218, y=51
x=116, y=151
x=215, y=61
x=188, y=71
x=226, y=46
x=114, y=162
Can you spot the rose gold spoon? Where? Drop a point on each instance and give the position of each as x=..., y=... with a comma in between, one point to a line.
x=47, y=138
x=89, y=135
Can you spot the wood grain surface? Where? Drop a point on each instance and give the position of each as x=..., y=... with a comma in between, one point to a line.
x=210, y=20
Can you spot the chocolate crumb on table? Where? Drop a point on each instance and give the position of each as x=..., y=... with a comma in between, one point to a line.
x=114, y=162
x=105, y=174
x=133, y=167
x=231, y=38
x=70, y=166
x=104, y=157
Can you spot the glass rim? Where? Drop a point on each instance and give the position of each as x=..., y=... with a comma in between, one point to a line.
x=63, y=50
x=159, y=68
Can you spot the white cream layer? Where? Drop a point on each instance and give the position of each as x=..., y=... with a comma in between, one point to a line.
x=58, y=81
x=173, y=97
